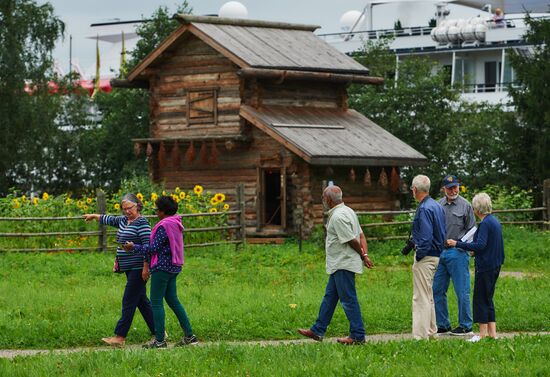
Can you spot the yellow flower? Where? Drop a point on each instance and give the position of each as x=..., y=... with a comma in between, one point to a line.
x=45, y=196
x=89, y=200
x=117, y=206
x=177, y=190
x=139, y=195
x=16, y=203
x=35, y=201
x=154, y=197
x=213, y=210
x=163, y=193
x=79, y=203
x=220, y=197
x=292, y=306
x=213, y=201
x=226, y=206
x=68, y=200
x=198, y=189
x=182, y=195
x=463, y=189
x=23, y=198
x=85, y=207
x=145, y=203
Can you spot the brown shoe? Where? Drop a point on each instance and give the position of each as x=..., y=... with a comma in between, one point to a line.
x=114, y=341
x=350, y=341
x=310, y=334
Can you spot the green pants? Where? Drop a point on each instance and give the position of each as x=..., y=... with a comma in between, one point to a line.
x=163, y=286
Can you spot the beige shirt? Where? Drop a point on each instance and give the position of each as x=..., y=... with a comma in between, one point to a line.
x=342, y=227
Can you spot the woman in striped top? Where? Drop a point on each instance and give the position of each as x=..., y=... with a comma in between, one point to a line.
x=132, y=227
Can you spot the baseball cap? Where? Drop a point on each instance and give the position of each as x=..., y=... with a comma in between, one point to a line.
x=450, y=181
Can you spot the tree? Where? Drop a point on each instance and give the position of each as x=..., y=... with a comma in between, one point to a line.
x=28, y=33
x=124, y=113
x=419, y=106
x=531, y=98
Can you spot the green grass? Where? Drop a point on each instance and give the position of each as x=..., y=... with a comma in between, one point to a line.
x=521, y=356
x=72, y=299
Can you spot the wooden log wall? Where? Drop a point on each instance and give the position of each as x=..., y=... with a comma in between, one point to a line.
x=193, y=65
x=294, y=93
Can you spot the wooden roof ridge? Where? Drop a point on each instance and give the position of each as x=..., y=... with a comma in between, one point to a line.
x=189, y=19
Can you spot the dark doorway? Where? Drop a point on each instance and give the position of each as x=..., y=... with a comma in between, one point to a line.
x=272, y=197
x=490, y=76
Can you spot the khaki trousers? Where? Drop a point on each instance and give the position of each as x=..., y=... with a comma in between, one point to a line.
x=423, y=308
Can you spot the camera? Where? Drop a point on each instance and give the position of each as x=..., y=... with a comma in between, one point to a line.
x=409, y=245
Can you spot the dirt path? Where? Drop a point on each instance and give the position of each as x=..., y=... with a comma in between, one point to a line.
x=10, y=354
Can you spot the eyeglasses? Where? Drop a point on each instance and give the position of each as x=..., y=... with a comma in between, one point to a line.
x=126, y=209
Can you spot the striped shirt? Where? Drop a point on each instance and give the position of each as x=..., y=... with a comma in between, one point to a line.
x=138, y=232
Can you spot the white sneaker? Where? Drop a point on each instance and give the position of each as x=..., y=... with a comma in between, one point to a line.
x=474, y=339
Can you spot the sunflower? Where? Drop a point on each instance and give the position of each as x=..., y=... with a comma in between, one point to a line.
x=16, y=203
x=220, y=197
x=154, y=197
x=213, y=210
x=198, y=189
x=68, y=201
x=177, y=190
x=182, y=195
x=163, y=193
x=463, y=189
x=214, y=201
x=85, y=207
x=117, y=206
x=89, y=200
x=175, y=197
x=23, y=198
x=45, y=196
x=35, y=201
x=226, y=206
x=139, y=195
x=79, y=203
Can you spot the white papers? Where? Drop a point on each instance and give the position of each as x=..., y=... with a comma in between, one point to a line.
x=469, y=237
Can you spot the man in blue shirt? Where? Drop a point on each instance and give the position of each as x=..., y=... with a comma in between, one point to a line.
x=428, y=235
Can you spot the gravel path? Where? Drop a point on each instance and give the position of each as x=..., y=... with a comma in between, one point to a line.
x=10, y=354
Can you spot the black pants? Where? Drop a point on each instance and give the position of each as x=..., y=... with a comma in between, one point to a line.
x=484, y=290
x=135, y=296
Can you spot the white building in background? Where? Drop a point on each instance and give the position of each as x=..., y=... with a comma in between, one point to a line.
x=473, y=48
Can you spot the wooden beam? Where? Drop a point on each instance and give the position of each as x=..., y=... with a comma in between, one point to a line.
x=236, y=137
x=188, y=19
x=283, y=74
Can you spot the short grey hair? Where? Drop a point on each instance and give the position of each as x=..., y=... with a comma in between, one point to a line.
x=334, y=193
x=482, y=203
x=422, y=183
x=131, y=198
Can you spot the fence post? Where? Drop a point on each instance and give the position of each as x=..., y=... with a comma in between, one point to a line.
x=240, y=202
x=546, y=202
x=101, y=209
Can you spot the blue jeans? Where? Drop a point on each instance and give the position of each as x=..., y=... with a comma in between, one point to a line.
x=135, y=296
x=341, y=286
x=453, y=264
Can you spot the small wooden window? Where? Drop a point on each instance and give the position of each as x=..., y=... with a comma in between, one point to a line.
x=202, y=106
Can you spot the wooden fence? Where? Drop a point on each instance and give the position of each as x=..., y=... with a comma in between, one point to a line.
x=102, y=234
x=542, y=223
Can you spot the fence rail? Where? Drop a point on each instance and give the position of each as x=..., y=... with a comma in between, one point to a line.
x=543, y=222
x=102, y=233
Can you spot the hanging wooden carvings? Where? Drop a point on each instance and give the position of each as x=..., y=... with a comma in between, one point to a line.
x=190, y=154
x=367, y=180
x=203, y=153
x=394, y=180
x=162, y=155
x=175, y=155
x=383, y=180
x=352, y=176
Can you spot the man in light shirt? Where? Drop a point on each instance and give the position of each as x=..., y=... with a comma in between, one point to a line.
x=346, y=253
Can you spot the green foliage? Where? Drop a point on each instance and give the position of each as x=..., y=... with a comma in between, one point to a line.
x=418, y=105
x=28, y=33
x=531, y=97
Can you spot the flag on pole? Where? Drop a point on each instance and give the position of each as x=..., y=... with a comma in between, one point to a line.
x=97, y=68
x=123, y=58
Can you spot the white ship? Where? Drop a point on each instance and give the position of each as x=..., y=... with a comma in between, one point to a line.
x=469, y=38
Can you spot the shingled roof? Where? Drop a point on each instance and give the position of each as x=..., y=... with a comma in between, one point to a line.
x=260, y=44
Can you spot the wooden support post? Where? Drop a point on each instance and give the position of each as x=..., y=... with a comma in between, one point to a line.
x=241, y=203
x=546, y=202
x=101, y=209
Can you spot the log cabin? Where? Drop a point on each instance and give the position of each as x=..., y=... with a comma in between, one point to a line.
x=264, y=104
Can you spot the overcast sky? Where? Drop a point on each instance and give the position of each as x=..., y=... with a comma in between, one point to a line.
x=78, y=15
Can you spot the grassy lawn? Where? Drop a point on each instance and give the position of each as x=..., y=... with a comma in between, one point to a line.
x=262, y=292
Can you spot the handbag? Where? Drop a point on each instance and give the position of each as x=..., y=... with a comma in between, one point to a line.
x=116, y=266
